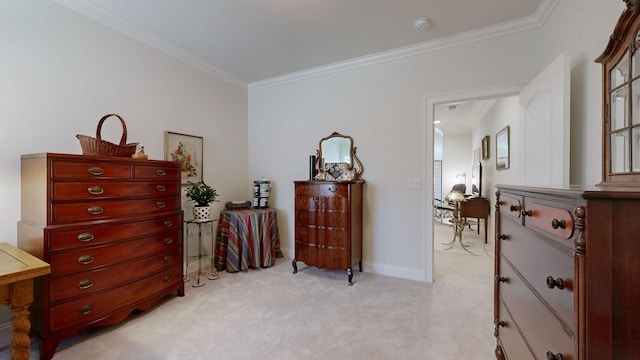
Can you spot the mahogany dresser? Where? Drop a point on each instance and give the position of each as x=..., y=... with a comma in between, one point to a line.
x=567, y=275
x=328, y=225
x=110, y=227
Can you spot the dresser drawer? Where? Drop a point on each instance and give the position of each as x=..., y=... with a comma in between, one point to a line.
x=93, y=307
x=337, y=220
x=88, y=282
x=553, y=220
x=510, y=205
x=91, y=235
x=89, y=169
x=93, y=257
x=322, y=203
x=325, y=189
x=105, y=190
x=537, y=260
x=543, y=331
x=104, y=209
x=156, y=172
x=322, y=237
x=512, y=343
x=323, y=257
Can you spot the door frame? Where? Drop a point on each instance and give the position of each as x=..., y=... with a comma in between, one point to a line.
x=430, y=101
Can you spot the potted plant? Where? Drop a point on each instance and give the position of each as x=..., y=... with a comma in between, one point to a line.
x=202, y=195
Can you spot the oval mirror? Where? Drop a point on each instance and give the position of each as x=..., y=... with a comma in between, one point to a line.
x=337, y=159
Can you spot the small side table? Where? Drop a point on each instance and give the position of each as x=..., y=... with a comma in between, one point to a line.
x=17, y=271
x=190, y=226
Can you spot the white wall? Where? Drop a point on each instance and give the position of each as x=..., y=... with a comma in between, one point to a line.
x=383, y=107
x=60, y=72
x=457, y=158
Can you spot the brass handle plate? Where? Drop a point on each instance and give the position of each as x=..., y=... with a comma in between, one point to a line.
x=167, y=259
x=95, y=190
x=85, y=284
x=161, y=188
x=161, y=172
x=168, y=240
x=161, y=204
x=95, y=171
x=85, y=309
x=95, y=210
x=86, y=259
x=85, y=237
x=168, y=223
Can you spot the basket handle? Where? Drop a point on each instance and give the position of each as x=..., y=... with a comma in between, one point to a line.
x=123, y=139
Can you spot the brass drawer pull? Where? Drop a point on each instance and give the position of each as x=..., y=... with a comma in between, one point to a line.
x=168, y=223
x=86, y=309
x=95, y=171
x=95, y=190
x=161, y=188
x=166, y=279
x=85, y=237
x=95, y=210
x=555, y=223
x=85, y=284
x=161, y=172
x=167, y=259
x=161, y=204
x=552, y=356
x=551, y=283
x=86, y=259
x=168, y=240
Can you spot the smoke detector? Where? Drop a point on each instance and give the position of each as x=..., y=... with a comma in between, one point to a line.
x=421, y=24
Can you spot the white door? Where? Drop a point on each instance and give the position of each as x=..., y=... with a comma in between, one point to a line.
x=544, y=126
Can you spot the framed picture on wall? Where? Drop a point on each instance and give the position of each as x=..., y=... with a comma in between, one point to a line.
x=187, y=150
x=485, y=148
x=502, y=149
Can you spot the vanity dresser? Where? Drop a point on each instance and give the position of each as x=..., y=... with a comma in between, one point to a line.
x=567, y=275
x=111, y=229
x=328, y=210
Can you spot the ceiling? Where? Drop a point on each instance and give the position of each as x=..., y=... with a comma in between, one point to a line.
x=252, y=40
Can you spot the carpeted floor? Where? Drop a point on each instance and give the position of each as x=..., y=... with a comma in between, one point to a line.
x=272, y=313
x=474, y=242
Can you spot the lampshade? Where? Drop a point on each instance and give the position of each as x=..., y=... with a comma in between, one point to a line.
x=455, y=196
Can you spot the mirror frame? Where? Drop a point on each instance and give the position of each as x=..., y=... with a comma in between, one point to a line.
x=355, y=166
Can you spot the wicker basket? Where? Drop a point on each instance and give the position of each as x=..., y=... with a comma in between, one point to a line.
x=97, y=146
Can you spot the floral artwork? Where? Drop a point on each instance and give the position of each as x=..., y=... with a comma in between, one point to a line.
x=187, y=150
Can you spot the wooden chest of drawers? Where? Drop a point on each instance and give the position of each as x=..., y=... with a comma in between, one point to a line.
x=328, y=225
x=110, y=227
x=564, y=280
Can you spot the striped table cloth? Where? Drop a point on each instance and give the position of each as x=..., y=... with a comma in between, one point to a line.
x=247, y=239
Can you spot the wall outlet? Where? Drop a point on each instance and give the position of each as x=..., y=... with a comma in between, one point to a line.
x=414, y=182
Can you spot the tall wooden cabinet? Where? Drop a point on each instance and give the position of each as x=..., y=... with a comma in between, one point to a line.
x=566, y=271
x=110, y=227
x=328, y=225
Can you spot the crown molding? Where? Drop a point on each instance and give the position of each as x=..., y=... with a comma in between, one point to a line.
x=523, y=24
x=103, y=17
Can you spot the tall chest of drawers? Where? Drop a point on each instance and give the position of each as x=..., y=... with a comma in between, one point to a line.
x=328, y=225
x=110, y=227
x=566, y=272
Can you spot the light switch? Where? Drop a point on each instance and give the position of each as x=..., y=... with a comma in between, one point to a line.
x=414, y=182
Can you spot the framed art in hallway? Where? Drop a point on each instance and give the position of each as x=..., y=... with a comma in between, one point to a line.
x=187, y=150
x=502, y=149
x=485, y=148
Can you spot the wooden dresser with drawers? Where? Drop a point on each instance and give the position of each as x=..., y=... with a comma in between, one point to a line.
x=328, y=225
x=111, y=229
x=567, y=273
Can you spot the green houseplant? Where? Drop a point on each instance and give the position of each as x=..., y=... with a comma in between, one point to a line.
x=202, y=195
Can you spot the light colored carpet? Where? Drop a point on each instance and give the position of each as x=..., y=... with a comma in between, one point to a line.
x=274, y=314
x=443, y=235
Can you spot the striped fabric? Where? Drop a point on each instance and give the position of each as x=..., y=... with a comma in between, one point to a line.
x=247, y=239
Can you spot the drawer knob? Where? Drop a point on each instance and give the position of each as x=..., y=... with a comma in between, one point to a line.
x=527, y=212
x=86, y=309
x=514, y=208
x=552, y=356
x=95, y=210
x=161, y=188
x=501, y=279
x=167, y=259
x=95, y=171
x=168, y=223
x=555, y=223
x=168, y=240
x=502, y=237
x=166, y=279
x=85, y=237
x=95, y=190
x=86, y=259
x=551, y=283
x=161, y=172
x=498, y=323
x=161, y=204
x=85, y=284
